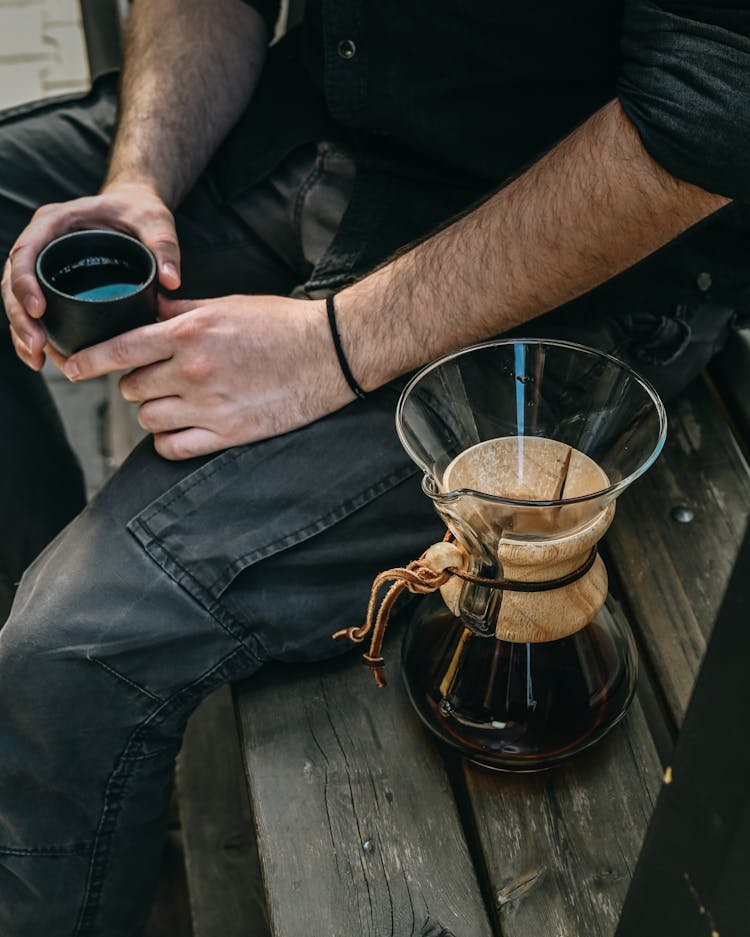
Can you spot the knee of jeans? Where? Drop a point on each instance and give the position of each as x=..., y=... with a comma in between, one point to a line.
x=45, y=678
x=50, y=671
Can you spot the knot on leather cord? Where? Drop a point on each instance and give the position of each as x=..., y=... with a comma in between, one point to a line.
x=421, y=577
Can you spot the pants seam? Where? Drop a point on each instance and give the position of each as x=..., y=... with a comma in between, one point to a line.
x=120, y=775
x=126, y=680
x=221, y=460
x=198, y=593
x=48, y=852
x=154, y=546
x=321, y=523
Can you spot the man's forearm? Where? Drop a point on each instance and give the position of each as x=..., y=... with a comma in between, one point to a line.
x=591, y=207
x=189, y=70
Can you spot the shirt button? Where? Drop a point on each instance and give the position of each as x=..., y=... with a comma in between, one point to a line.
x=346, y=49
x=704, y=281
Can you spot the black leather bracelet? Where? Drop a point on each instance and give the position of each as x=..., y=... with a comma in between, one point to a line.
x=343, y=363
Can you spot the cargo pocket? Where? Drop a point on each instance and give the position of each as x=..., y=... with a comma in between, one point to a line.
x=659, y=338
x=671, y=346
x=254, y=501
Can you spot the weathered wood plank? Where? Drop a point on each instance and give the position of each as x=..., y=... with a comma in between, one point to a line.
x=691, y=877
x=560, y=847
x=226, y=895
x=170, y=911
x=357, y=826
x=730, y=371
x=674, y=574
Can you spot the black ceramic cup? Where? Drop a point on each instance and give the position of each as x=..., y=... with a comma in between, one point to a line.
x=97, y=284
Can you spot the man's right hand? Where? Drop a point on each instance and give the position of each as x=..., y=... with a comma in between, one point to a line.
x=130, y=207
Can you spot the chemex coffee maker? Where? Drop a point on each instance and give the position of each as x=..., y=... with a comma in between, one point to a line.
x=525, y=445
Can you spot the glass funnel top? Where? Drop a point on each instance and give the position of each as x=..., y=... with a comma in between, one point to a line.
x=557, y=426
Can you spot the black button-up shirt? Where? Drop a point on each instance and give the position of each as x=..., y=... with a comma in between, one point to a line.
x=480, y=87
x=442, y=100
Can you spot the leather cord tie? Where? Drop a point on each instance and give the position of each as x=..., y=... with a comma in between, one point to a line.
x=421, y=578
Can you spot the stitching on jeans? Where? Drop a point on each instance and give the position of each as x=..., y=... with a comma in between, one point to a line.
x=267, y=549
x=93, y=888
x=226, y=459
x=92, y=891
x=48, y=852
x=144, y=756
x=190, y=585
x=89, y=893
x=321, y=523
x=223, y=617
x=199, y=593
x=233, y=626
x=126, y=680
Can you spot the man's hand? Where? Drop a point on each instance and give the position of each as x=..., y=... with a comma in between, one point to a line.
x=222, y=372
x=171, y=119
x=132, y=208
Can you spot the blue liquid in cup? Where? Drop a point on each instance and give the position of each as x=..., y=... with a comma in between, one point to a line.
x=109, y=291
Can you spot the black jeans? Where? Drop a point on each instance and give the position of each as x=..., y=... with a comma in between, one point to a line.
x=179, y=577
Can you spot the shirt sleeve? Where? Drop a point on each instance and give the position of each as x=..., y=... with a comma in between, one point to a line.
x=685, y=83
x=269, y=10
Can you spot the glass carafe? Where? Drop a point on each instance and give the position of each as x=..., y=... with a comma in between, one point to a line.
x=525, y=446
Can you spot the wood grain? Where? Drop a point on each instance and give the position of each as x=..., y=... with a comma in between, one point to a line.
x=560, y=846
x=357, y=826
x=730, y=372
x=226, y=896
x=674, y=574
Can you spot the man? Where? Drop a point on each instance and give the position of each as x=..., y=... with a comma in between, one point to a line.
x=250, y=526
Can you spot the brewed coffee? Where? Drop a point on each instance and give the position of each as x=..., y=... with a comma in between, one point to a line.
x=97, y=278
x=97, y=284
x=516, y=706
x=109, y=291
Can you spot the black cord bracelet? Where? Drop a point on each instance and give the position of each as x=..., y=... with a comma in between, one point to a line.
x=343, y=363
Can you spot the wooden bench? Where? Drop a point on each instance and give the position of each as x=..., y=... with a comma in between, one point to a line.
x=364, y=826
